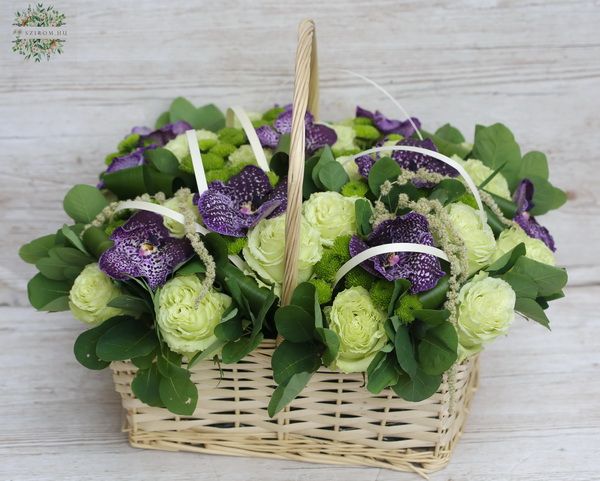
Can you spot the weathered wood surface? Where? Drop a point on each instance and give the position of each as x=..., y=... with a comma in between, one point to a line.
x=532, y=65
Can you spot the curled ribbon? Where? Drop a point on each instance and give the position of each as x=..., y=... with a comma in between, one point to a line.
x=192, y=139
x=387, y=249
x=255, y=144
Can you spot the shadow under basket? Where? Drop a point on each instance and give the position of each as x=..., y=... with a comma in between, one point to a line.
x=334, y=420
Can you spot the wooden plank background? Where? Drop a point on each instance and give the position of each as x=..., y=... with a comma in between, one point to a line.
x=533, y=65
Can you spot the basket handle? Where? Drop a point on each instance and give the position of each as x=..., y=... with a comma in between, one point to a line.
x=306, y=96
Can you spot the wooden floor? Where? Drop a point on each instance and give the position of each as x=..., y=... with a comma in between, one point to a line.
x=533, y=65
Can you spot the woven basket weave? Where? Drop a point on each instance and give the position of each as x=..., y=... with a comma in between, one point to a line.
x=335, y=419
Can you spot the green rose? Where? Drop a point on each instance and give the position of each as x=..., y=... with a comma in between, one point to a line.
x=345, y=138
x=479, y=172
x=245, y=155
x=535, y=248
x=266, y=247
x=186, y=322
x=90, y=294
x=359, y=325
x=477, y=235
x=176, y=228
x=486, y=309
x=179, y=146
x=331, y=214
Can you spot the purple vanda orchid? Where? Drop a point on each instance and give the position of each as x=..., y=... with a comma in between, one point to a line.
x=134, y=158
x=233, y=207
x=412, y=161
x=523, y=197
x=316, y=135
x=143, y=247
x=164, y=134
x=422, y=270
x=389, y=126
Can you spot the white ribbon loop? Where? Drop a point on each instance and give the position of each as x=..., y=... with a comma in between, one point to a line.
x=177, y=217
x=255, y=144
x=387, y=249
x=436, y=155
x=192, y=139
x=388, y=95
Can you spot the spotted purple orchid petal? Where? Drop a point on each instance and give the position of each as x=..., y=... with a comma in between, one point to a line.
x=414, y=161
x=316, y=135
x=143, y=247
x=422, y=270
x=389, y=126
x=233, y=207
x=167, y=132
x=140, y=130
x=268, y=136
x=523, y=197
x=134, y=158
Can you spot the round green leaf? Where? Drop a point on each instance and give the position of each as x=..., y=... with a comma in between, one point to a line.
x=294, y=323
x=130, y=338
x=146, y=386
x=83, y=203
x=85, y=345
x=419, y=387
x=179, y=395
x=438, y=349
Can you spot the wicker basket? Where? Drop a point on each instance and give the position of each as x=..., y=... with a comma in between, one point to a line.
x=335, y=419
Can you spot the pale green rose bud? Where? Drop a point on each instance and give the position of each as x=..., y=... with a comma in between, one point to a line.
x=90, y=294
x=534, y=248
x=245, y=155
x=186, y=321
x=177, y=229
x=331, y=214
x=266, y=247
x=479, y=172
x=350, y=167
x=486, y=309
x=477, y=235
x=345, y=138
x=360, y=326
x=179, y=146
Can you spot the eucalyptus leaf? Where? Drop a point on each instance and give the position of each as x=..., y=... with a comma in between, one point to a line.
x=126, y=183
x=130, y=338
x=130, y=303
x=85, y=345
x=548, y=279
x=235, y=350
x=179, y=395
x=438, y=349
x=83, y=203
x=74, y=239
x=363, y=212
x=37, y=248
x=435, y=297
x=405, y=352
x=382, y=372
x=384, y=169
x=419, y=387
x=523, y=285
x=47, y=294
x=96, y=241
x=162, y=120
x=505, y=263
x=146, y=386
x=290, y=358
x=331, y=341
x=532, y=310
x=294, y=323
x=496, y=146
x=163, y=160
x=285, y=393
x=432, y=317
x=333, y=176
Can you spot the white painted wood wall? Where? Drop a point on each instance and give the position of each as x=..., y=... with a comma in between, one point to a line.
x=534, y=65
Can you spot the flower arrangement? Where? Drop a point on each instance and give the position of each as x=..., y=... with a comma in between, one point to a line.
x=416, y=251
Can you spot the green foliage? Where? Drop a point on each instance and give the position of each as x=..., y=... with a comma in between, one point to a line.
x=233, y=136
x=328, y=265
x=49, y=295
x=37, y=248
x=129, y=338
x=449, y=141
x=324, y=290
x=222, y=149
x=406, y=307
x=96, y=240
x=416, y=388
x=364, y=212
x=212, y=161
x=163, y=160
x=85, y=345
x=507, y=261
x=287, y=392
x=146, y=386
x=438, y=349
x=358, y=277
x=448, y=191
x=126, y=183
x=179, y=395
x=235, y=244
x=384, y=169
x=207, y=117
x=355, y=188
x=435, y=297
x=382, y=372
x=327, y=173
x=128, y=144
x=366, y=132
x=273, y=178
x=381, y=293
x=272, y=113
x=83, y=203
